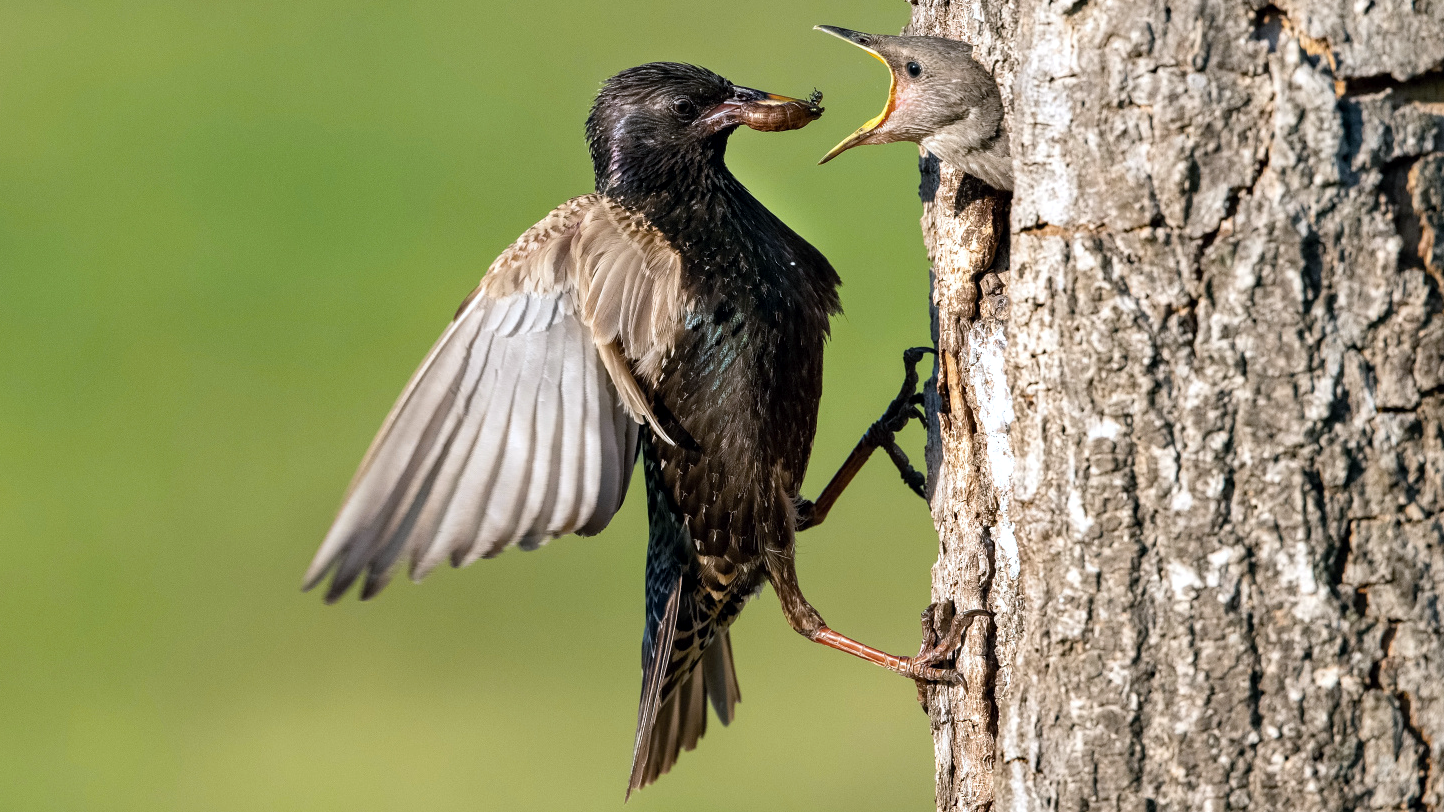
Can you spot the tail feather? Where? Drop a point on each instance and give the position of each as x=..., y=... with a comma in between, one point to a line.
x=721, y=677
x=652, y=680
x=668, y=724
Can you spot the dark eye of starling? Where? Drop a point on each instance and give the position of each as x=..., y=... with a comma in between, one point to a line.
x=915, y=70
x=683, y=107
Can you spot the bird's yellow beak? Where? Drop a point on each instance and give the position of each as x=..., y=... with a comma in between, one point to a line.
x=865, y=131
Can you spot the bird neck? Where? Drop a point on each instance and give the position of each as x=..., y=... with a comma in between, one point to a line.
x=662, y=185
x=985, y=158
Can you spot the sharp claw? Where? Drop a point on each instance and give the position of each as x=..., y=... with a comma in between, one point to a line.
x=918, y=486
x=929, y=635
x=937, y=648
x=913, y=355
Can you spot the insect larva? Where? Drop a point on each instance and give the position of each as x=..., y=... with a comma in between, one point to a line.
x=791, y=115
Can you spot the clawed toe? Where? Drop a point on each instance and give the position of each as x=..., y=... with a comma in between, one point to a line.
x=882, y=433
x=940, y=648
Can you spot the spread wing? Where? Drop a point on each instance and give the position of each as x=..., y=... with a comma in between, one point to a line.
x=521, y=425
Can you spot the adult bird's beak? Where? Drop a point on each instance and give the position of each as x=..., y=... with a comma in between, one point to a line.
x=763, y=111
x=867, y=133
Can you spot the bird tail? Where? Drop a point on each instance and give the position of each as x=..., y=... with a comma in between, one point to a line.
x=672, y=720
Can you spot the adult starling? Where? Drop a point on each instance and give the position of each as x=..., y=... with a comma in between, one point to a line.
x=668, y=311
x=939, y=97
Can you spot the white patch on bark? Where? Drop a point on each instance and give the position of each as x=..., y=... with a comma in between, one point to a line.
x=1218, y=563
x=1298, y=569
x=1182, y=500
x=1019, y=784
x=989, y=379
x=1106, y=428
x=1051, y=188
x=1184, y=580
x=1076, y=514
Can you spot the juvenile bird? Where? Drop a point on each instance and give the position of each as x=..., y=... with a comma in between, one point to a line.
x=668, y=311
x=939, y=97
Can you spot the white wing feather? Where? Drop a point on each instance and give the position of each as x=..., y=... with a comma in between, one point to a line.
x=522, y=423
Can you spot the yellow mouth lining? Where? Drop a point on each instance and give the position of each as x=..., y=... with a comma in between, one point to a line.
x=877, y=120
x=887, y=109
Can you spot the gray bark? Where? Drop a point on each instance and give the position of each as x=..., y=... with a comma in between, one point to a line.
x=1218, y=302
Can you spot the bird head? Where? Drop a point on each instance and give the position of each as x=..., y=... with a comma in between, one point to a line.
x=935, y=83
x=655, y=122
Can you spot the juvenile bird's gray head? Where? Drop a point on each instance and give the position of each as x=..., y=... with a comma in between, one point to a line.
x=939, y=97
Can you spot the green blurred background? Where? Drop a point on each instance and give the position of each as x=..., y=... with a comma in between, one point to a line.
x=228, y=232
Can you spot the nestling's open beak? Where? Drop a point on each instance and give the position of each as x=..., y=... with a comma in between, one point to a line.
x=763, y=111
x=866, y=132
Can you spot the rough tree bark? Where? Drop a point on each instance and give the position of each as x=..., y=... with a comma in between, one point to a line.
x=1215, y=548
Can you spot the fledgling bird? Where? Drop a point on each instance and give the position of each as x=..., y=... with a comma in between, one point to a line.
x=939, y=97
x=668, y=312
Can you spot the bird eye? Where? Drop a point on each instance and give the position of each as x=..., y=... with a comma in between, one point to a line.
x=915, y=70
x=683, y=107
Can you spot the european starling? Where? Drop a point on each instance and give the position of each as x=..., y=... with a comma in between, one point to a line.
x=939, y=97
x=669, y=312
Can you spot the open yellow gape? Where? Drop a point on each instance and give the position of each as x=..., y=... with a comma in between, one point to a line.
x=861, y=134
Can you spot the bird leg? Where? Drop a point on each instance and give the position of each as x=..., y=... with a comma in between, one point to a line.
x=807, y=622
x=880, y=434
x=912, y=667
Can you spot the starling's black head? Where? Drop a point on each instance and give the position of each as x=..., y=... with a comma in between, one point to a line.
x=660, y=124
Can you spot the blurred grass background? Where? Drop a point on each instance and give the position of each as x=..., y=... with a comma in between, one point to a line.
x=228, y=232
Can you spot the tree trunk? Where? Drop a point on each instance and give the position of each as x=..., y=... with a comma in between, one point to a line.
x=1215, y=547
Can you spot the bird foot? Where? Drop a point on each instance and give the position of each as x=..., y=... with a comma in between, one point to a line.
x=881, y=434
x=906, y=406
x=942, y=646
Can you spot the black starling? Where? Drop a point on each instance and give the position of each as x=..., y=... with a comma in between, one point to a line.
x=668, y=312
x=939, y=97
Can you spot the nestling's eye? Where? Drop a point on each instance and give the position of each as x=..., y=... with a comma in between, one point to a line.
x=683, y=107
x=915, y=70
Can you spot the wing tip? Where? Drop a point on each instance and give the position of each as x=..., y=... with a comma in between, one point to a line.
x=338, y=589
x=309, y=582
x=316, y=574
x=376, y=580
x=656, y=426
x=341, y=581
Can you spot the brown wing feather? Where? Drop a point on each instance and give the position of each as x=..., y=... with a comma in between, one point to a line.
x=519, y=425
x=631, y=285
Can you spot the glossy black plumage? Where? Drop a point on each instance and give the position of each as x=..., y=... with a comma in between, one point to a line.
x=739, y=394
x=742, y=388
x=668, y=312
